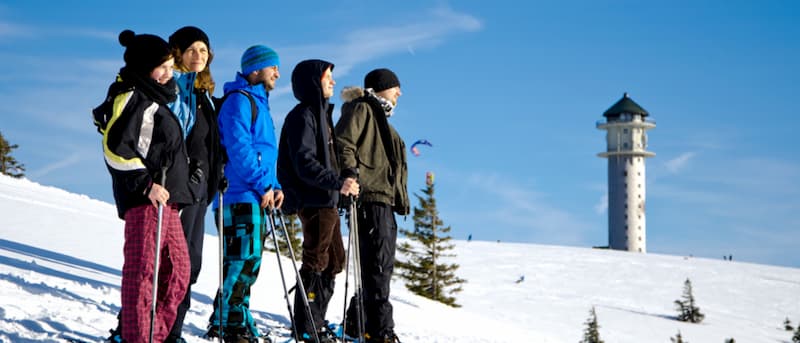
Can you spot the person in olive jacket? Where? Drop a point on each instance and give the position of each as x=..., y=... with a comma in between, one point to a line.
x=370, y=145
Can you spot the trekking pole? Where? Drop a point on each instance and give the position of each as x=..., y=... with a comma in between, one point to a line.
x=157, y=256
x=271, y=220
x=300, y=285
x=353, y=216
x=346, y=277
x=221, y=234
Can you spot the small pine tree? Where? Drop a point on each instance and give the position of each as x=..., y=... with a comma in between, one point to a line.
x=687, y=311
x=678, y=338
x=424, y=272
x=590, y=333
x=787, y=325
x=796, y=337
x=294, y=229
x=8, y=164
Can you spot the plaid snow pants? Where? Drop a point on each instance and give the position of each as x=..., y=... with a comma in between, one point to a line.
x=244, y=230
x=138, y=271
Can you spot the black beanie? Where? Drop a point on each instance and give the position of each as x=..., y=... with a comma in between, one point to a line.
x=381, y=79
x=186, y=36
x=144, y=52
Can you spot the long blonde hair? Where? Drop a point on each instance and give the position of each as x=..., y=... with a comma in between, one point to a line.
x=204, y=79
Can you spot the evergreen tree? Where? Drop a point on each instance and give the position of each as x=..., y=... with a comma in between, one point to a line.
x=424, y=272
x=8, y=164
x=796, y=337
x=294, y=229
x=678, y=338
x=787, y=325
x=688, y=312
x=590, y=333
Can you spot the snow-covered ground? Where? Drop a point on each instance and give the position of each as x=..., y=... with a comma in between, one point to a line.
x=61, y=256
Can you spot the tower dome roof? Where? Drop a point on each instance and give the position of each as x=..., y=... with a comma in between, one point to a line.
x=625, y=105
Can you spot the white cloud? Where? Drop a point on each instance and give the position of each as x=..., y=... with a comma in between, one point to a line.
x=12, y=30
x=602, y=205
x=57, y=165
x=361, y=45
x=520, y=206
x=676, y=164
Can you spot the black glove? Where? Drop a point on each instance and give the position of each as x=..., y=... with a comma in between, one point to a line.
x=197, y=175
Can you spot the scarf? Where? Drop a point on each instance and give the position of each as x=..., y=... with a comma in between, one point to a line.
x=387, y=106
x=161, y=94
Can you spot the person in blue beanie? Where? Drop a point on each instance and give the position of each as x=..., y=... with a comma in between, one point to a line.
x=250, y=143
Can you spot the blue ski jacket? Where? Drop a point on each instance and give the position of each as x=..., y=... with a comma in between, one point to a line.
x=251, y=145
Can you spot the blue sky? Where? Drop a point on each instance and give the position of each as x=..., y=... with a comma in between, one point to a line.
x=508, y=92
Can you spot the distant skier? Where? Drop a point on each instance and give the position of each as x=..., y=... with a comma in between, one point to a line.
x=521, y=279
x=469, y=238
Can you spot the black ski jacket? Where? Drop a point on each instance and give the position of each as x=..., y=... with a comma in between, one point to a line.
x=140, y=137
x=307, y=166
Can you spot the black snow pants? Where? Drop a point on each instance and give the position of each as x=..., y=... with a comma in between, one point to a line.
x=193, y=221
x=377, y=237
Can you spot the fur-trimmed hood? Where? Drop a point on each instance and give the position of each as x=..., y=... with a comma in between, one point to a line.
x=352, y=92
x=349, y=94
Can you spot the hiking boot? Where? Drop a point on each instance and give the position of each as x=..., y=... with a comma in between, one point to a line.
x=237, y=338
x=115, y=337
x=212, y=333
x=171, y=339
x=387, y=336
x=324, y=337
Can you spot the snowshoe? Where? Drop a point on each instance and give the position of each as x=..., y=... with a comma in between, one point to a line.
x=115, y=337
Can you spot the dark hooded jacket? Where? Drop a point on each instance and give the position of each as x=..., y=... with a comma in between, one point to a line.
x=140, y=137
x=307, y=166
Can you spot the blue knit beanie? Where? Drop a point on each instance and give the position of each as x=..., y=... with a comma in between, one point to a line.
x=258, y=57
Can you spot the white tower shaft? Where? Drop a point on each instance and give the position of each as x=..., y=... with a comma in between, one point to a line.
x=626, y=144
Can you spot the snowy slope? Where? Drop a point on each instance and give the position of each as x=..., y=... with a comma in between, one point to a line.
x=61, y=256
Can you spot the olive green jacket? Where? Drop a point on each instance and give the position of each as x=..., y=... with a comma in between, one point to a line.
x=382, y=176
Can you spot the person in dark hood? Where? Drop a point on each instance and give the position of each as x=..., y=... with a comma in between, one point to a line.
x=143, y=145
x=308, y=172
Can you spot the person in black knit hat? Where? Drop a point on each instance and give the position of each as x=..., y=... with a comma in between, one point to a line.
x=370, y=145
x=195, y=113
x=193, y=55
x=143, y=145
